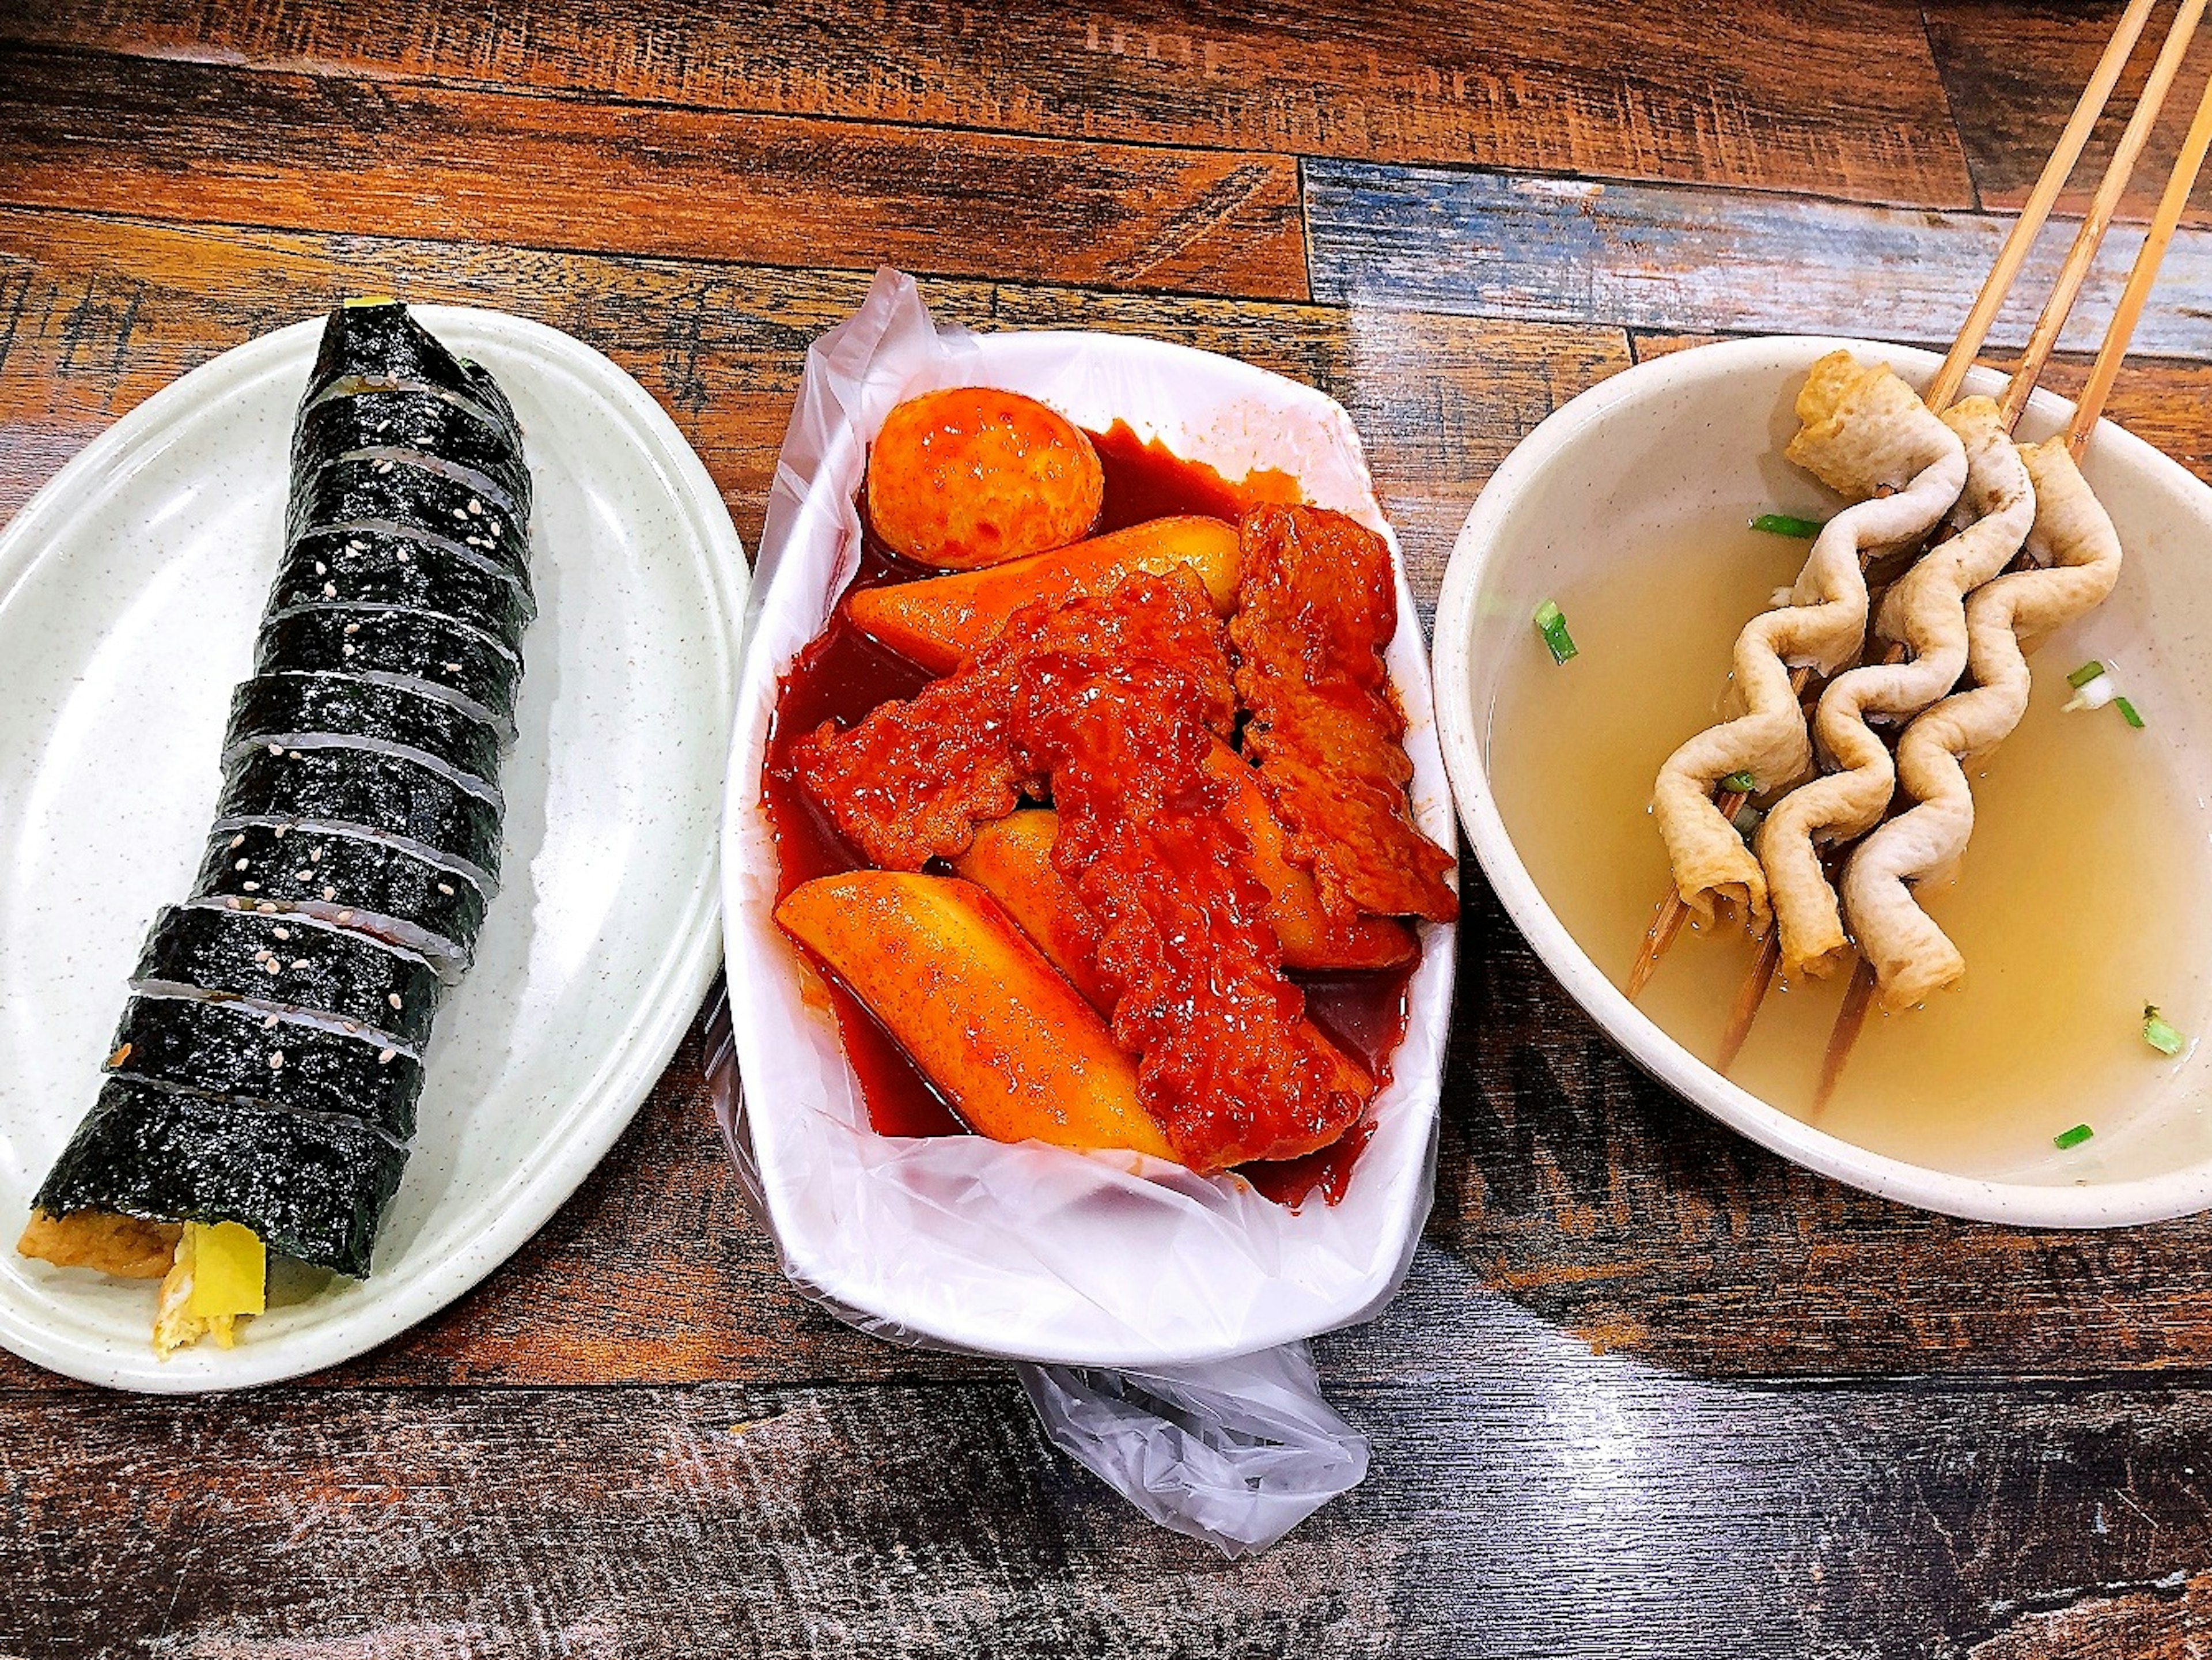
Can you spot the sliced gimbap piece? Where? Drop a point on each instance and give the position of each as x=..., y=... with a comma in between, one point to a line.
x=291, y=961
x=386, y=568
x=394, y=492
x=351, y=879
x=279, y=1060
x=320, y=711
x=314, y=1189
x=399, y=800
x=428, y=422
x=372, y=342
x=430, y=653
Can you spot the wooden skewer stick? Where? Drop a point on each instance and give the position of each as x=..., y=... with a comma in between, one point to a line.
x=1858, y=999
x=1943, y=390
x=2080, y=257
x=1748, y=1001
x=1850, y=1020
x=1672, y=911
x=2163, y=224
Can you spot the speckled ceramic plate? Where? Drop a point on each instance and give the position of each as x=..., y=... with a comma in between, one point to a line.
x=129, y=590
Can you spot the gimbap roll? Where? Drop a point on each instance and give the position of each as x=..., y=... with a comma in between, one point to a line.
x=350, y=877
x=321, y=711
x=411, y=493
x=423, y=422
x=422, y=650
x=388, y=568
x=314, y=1189
x=277, y=1060
x=375, y=344
x=262, y=1089
x=400, y=799
x=290, y=963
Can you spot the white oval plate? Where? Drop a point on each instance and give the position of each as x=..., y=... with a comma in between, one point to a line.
x=1700, y=431
x=130, y=587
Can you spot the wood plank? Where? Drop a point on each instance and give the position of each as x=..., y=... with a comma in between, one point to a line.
x=1526, y=1497
x=2012, y=71
x=1841, y=101
x=95, y=314
x=206, y=143
x=1704, y=261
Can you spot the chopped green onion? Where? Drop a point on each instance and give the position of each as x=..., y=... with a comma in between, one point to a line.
x=1552, y=624
x=2160, y=1033
x=1740, y=783
x=2073, y=1138
x=2082, y=676
x=1747, y=820
x=1786, y=524
x=2128, y=713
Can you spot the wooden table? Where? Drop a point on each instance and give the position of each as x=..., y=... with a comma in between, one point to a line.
x=1649, y=1391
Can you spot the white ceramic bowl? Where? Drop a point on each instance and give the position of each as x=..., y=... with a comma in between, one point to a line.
x=1703, y=429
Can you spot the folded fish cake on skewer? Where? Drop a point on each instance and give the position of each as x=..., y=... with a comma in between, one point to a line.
x=1868, y=436
x=2078, y=556
x=1924, y=613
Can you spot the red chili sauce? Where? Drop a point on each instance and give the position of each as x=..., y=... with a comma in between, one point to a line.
x=842, y=674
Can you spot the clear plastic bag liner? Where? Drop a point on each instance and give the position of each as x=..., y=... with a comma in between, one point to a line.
x=1082, y=1264
x=1236, y=1452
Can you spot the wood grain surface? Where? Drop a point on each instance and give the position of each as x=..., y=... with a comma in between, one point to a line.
x=1847, y=101
x=1649, y=1391
x=308, y=152
x=1674, y=258
x=2011, y=74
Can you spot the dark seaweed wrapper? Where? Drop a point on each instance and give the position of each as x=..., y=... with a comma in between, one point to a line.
x=273, y=708
x=294, y=962
x=433, y=423
x=231, y=1049
x=390, y=568
x=315, y=1188
x=384, y=343
x=391, y=491
x=356, y=878
x=412, y=645
x=384, y=792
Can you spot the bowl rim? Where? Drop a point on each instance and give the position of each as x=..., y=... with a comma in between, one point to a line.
x=2145, y=1199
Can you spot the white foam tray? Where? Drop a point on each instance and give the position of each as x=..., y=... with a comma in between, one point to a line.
x=1029, y=1251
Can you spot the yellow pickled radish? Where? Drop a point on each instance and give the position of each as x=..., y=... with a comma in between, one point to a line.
x=230, y=1270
